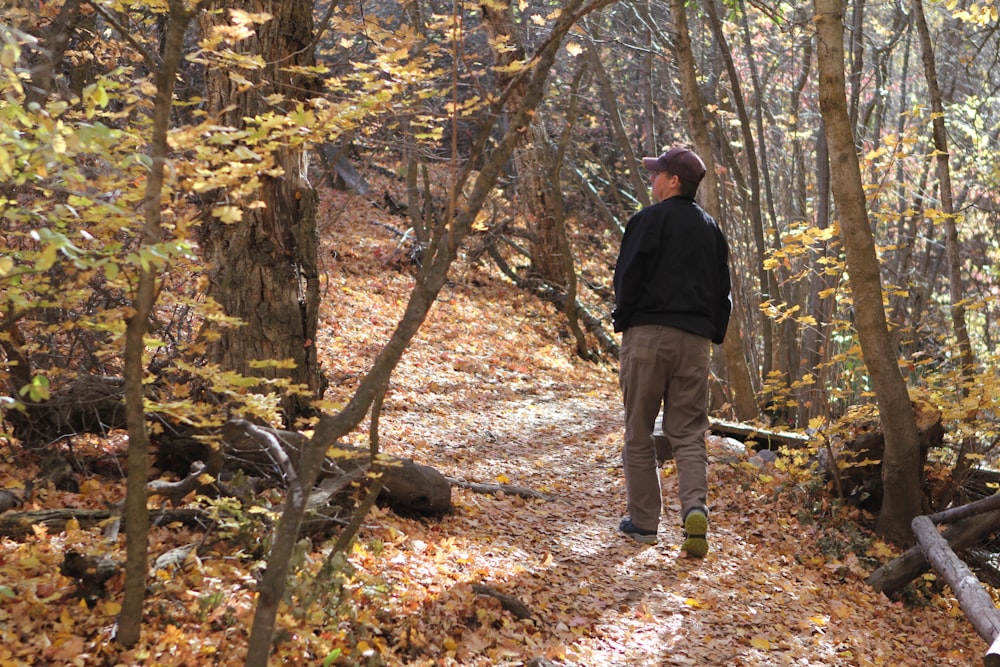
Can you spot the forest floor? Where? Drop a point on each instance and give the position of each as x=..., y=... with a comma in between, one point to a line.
x=491, y=392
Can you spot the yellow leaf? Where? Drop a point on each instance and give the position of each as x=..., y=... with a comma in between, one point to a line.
x=72, y=525
x=111, y=608
x=502, y=478
x=574, y=49
x=691, y=602
x=228, y=213
x=449, y=644
x=761, y=643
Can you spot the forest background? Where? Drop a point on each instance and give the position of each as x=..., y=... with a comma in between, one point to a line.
x=184, y=274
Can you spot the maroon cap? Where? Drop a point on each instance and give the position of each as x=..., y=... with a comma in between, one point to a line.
x=680, y=162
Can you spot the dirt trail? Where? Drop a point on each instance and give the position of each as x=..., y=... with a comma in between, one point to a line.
x=763, y=596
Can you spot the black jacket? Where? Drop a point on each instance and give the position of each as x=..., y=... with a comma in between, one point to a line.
x=673, y=269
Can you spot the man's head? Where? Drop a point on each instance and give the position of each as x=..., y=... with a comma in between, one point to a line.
x=680, y=162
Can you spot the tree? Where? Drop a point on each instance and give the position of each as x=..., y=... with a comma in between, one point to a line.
x=430, y=280
x=902, y=464
x=743, y=396
x=261, y=247
x=136, y=510
x=956, y=282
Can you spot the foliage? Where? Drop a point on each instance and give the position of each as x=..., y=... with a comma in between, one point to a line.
x=399, y=83
x=491, y=398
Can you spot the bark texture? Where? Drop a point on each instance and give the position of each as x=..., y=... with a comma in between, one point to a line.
x=264, y=267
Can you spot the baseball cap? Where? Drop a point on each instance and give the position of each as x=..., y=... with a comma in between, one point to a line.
x=679, y=161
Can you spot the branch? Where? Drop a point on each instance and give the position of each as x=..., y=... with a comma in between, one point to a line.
x=176, y=491
x=495, y=488
x=152, y=60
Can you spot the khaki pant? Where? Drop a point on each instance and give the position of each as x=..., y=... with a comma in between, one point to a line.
x=664, y=365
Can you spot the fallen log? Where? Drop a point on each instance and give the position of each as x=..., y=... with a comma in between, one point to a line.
x=897, y=573
x=407, y=486
x=21, y=524
x=755, y=436
x=974, y=601
x=970, y=524
x=93, y=404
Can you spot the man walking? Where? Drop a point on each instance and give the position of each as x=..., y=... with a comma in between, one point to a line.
x=672, y=301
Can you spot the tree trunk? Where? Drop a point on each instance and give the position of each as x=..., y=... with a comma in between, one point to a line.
x=740, y=383
x=956, y=283
x=263, y=268
x=897, y=573
x=136, y=509
x=533, y=158
x=766, y=279
x=609, y=103
x=431, y=279
x=901, y=466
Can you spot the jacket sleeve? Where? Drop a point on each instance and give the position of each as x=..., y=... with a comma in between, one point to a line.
x=725, y=304
x=629, y=273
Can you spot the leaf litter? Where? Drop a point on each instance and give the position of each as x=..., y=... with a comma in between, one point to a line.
x=491, y=392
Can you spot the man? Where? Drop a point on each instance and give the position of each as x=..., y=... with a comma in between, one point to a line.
x=671, y=303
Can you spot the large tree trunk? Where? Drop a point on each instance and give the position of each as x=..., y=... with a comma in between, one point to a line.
x=533, y=158
x=263, y=268
x=901, y=465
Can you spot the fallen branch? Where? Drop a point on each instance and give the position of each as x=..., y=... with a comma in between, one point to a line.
x=19, y=524
x=507, y=489
x=509, y=602
x=897, y=573
x=972, y=598
x=175, y=492
x=965, y=511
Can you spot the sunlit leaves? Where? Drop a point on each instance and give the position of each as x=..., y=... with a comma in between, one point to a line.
x=980, y=13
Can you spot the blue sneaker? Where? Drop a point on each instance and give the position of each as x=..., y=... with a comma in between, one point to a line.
x=695, y=529
x=636, y=533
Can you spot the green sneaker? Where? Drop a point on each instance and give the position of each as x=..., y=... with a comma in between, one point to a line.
x=695, y=529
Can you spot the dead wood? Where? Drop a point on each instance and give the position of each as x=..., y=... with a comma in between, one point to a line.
x=972, y=598
x=897, y=573
x=859, y=459
x=175, y=492
x=407, y=486
x=20, y=524
x=90, y=572
x=88, y=404
x=965, y=511
x=757, y=437
x=507, y=489
x=342, y=173
x=509, y=602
